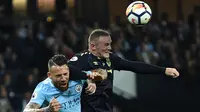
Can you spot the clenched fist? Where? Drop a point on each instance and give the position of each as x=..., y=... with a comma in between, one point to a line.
x=91, y=88
x=54, y=105
x=172, y=72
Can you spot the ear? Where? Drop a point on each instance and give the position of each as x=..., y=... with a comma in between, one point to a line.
x=92, y=46
x=49, y=74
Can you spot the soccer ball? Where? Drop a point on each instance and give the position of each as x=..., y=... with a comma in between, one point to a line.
x=138, y=13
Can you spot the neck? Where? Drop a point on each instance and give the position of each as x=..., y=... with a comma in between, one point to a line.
x=63, y=89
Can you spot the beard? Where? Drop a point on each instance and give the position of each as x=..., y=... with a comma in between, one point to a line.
x=106, y=55
x=62, y=87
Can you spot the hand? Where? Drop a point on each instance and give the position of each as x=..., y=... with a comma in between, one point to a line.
x=54, y=105
x=172, y=72
x=98, y=75
x=91, y=88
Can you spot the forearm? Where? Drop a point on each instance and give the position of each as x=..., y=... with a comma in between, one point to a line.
x=140, y=67
x=34, y=107
x=45, y=109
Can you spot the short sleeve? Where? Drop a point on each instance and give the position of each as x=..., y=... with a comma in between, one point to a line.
x=38, y=97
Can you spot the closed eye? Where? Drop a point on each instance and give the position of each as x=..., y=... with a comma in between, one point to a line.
x=65, y=73
x=58, y=75
x=107, y=44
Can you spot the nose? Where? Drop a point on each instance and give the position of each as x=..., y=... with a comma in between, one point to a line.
x=63, y=78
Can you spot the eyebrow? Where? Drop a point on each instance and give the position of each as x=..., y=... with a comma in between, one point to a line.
x=108, y=43
x=61, y=74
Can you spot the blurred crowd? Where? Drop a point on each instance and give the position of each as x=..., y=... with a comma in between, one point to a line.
x=26, y=45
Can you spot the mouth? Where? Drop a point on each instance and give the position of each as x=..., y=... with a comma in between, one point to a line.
x=107, y=52
x=63, y=84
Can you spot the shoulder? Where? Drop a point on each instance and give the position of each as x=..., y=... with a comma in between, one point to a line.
x=80, y=56
x=45, y=85
x=40, y=91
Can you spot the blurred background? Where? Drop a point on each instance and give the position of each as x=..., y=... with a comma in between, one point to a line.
x=31, y=31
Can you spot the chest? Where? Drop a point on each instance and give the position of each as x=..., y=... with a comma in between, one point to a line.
x=95, y=63
x=70, y=103
x=69, y=100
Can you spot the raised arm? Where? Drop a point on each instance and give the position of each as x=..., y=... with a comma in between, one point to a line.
x=77, y=74
x=141, y=67
x=95, y=75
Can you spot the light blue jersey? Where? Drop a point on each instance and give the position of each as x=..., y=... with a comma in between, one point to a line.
x=69, y=99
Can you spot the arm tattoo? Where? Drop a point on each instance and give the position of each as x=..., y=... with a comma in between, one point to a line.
x=34, y=107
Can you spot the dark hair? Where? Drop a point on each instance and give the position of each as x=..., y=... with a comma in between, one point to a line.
x=95, y=34
x=58, y=59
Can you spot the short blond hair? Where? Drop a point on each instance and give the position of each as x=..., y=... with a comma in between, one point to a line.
x=96, y=34
x=57, y=60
